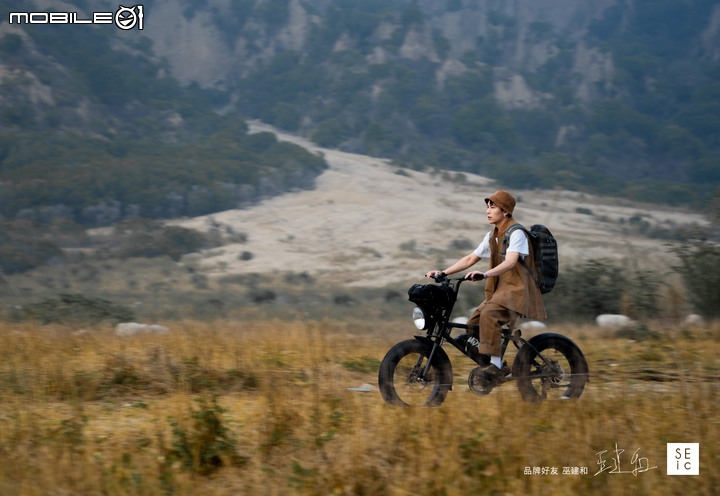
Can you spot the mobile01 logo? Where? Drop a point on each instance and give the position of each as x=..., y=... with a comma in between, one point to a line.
x=125, y=18
x=683, y=458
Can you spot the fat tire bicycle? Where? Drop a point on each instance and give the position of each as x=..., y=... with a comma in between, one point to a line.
x=418, y=371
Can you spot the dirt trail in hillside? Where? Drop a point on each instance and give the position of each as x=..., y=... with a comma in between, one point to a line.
x=369, y=224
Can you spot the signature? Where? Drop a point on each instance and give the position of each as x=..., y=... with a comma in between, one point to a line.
x=638, y=463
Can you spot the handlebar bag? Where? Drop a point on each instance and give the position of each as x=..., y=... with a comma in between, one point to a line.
x=431, y=294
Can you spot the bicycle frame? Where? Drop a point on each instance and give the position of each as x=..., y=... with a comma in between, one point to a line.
x=440, y=331
x=544, y=363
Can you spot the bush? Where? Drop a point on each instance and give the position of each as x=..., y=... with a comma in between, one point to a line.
x=207, y=444
x=587, y=290
x=24, y=246
x=700, y=272
x=76, y=309
x=462, y=244
x=642, y=296
x=262, y=295
x=145, y=238
x=601, y=286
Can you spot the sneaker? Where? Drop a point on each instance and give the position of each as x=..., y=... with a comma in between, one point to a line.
x=493, y=376
x=482, y=380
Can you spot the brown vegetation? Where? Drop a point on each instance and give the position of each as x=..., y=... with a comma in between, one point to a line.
x=265, y=408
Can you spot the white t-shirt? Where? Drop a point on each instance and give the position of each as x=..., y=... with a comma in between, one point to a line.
x=518, y=243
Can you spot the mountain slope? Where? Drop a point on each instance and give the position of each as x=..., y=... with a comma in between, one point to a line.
x=606, y=97
x=369, y=223
x=603, y=96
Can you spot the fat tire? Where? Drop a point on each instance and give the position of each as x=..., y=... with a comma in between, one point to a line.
x=523, y=366
x=440, y=372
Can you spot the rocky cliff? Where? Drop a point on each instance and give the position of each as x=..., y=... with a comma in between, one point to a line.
x=524, y=33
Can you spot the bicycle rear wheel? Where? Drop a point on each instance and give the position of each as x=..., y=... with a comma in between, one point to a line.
x=552, y=368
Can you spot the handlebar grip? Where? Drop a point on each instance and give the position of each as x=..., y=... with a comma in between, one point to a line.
x=440, y=277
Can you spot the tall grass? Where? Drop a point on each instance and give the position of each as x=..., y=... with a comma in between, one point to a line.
x=265, y=408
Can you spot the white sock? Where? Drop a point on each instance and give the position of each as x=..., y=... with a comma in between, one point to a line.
x=497, y=361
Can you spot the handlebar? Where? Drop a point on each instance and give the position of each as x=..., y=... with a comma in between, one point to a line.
x=443, y=278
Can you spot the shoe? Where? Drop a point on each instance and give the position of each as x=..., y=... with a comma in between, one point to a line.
x=493, y=376
x=482, y=380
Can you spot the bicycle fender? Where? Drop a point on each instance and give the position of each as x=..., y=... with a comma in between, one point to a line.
x=440, y=354
x=554, y=335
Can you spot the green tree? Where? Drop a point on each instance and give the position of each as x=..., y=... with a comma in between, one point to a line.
x=483, y=122
x=329, y=133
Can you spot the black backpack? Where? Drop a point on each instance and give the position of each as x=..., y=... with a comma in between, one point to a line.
x=545, y=251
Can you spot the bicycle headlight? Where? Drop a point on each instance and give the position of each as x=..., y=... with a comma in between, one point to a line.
x=418, y=317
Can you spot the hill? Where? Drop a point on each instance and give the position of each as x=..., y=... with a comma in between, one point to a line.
x=371, y=223
x=602, y=96
x=354, y=244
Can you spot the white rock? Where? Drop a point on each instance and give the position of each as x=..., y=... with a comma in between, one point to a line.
x=612, y=320
x=132, y=328
x=693, y=319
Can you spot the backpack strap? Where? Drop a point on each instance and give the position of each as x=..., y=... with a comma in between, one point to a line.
x=506, y=243
x=506, y=238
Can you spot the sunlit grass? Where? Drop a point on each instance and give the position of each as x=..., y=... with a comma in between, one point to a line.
x=259, y=407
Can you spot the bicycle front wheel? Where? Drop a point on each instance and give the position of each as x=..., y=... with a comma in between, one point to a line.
x=405, y=379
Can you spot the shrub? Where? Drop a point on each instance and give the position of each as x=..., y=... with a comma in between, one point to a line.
x=150, y=239
x=77, y=309
x=587, y=290
x=408, y=245
x=462, y=244
x=642, y=296
x=23, y=246
x=262, y=295
x=700, y=272
x=207, y=444
x=600, y=286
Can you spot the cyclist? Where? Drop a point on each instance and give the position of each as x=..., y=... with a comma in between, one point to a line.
x=510, y=290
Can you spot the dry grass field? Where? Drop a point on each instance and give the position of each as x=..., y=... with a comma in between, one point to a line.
x=271, y=408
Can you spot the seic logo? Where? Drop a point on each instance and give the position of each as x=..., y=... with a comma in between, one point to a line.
x=683, y=458
x=125, y=18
